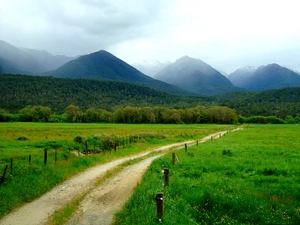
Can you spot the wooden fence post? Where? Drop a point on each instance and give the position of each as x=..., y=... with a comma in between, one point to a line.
x=11, y=166
x=185, y=147
x=55, y=156
x=45, y=156
x=159, y=206
x=166, y=176
x=3, y=175
x=197, y=142
x=29, y=158
x=173, y=158
x=86, y=147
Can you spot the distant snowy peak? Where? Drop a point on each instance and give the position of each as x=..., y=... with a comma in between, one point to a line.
x=247, y=69
x=151, y=67
x=239, y=77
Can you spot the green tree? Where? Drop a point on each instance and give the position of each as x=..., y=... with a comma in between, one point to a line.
x=26, y=114
x=4, y=116
x=74, y=113
x=223, y=115
x=146, y=115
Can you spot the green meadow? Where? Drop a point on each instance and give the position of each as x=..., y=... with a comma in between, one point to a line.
x=250, y=176
x=27, y=181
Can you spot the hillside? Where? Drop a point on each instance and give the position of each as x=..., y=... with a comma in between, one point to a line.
x=280, y=102
x=18, y=91
x=102, y=65
x=197, y=76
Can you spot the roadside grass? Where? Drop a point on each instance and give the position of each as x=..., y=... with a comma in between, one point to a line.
x=255, y=182
x=29, y=181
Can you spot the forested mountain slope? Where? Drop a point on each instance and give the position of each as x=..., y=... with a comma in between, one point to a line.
x=279, y=102
x=18, y=91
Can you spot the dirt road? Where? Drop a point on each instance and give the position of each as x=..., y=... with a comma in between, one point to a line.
x=99, y=205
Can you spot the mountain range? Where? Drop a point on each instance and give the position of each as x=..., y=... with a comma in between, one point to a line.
x=267, y=77
x=102, y=65
x=186, y=76
x=28, y=61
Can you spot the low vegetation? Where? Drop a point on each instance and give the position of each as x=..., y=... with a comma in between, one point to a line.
x=247, y=177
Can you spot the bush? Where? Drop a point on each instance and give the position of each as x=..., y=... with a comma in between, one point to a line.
x=22, y=138
x=78, y=139
x=261, y=120
x=290, y=120
x=275, y=120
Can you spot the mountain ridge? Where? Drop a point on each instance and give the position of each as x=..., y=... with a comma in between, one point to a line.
x=197, y=76
x=105, y=66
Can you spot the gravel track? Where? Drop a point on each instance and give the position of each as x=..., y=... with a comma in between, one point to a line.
x=102, y=202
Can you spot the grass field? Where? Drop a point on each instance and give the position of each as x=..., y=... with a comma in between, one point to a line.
x=256, y=182
x=29, y=181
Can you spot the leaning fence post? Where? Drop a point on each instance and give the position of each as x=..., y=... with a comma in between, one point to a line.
x=159, y=206
x=45, y=156
x=3, y=175
x=173, y=158
x=166, y=176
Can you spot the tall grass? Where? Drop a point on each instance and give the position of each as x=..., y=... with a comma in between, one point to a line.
x=255, y=182
x=29, y=181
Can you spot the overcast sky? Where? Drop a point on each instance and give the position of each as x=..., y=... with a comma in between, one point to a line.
x=227, y=34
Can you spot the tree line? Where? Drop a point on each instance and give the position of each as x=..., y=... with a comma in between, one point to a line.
x=73, y=113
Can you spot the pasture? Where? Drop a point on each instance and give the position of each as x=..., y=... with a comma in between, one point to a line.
x=27, y=179
x=246, y=177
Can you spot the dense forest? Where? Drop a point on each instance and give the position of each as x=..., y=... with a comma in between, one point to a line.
x=279, y=103
x=18, y=92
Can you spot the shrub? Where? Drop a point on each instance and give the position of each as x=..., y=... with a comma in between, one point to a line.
x=78, y=139
x=22, y=138
x=290, y=120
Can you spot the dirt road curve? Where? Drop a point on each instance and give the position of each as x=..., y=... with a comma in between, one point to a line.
x=101, y=204
x=94, y=209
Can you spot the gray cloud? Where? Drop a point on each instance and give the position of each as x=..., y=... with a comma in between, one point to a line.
x=226, y=34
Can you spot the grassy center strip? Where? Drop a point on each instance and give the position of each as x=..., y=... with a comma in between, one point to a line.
x=64, y=214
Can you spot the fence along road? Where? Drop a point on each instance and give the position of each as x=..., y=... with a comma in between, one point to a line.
x=38, y=211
